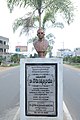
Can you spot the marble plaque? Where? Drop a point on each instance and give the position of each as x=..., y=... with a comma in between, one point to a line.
x=41, y=89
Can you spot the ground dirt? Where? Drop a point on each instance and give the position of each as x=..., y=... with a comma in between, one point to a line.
x=5, y=68
x=72, y=67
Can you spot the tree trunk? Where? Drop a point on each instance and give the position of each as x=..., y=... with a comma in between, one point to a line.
x=39, y=11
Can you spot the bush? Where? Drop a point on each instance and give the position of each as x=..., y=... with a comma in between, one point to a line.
x=1, y=59
x=72, y=59
x=15, y=58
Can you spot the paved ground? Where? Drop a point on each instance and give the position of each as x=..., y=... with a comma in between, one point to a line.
x=14, y=114
x=5, y=68
x=72, y=67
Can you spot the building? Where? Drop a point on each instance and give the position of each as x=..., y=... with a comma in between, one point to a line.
x=4, y=47
x=77, y=52
x=21, y=49
x=65, y=52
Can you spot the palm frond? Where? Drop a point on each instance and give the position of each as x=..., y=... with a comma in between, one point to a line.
x=49, y=16
x=18, y=22
x=32, y=40
x=59, y=25
x=27, y=22
x=65, y=7
x=12, y=3
x=49, y=7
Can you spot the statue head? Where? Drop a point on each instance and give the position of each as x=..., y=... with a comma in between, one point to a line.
x=40, y=33
x=41, y=44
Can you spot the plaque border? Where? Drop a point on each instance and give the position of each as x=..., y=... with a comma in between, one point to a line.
x=56, y=89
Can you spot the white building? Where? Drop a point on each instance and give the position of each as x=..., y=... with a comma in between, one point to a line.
x=65, y=52
x=77, y=51
x=4, y=45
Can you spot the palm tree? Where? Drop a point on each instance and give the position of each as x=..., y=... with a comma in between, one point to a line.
x=49, y=8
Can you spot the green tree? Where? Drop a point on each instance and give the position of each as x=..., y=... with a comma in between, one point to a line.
x=1, y=58
x=15, y=58
x=49, y=8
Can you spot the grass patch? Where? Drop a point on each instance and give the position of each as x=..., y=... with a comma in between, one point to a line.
x=76, y=65
x=9, y=65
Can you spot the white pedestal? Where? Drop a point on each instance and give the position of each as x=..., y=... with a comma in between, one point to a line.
x=41, y=89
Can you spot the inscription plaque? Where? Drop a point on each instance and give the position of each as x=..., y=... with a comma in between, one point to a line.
x=41, y=89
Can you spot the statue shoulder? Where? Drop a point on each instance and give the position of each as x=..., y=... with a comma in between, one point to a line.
x=46, y=41
x=35, y=42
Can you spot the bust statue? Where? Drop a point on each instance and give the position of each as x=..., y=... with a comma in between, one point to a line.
x=41, y=44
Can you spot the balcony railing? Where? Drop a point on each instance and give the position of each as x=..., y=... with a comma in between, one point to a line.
x=4, y=46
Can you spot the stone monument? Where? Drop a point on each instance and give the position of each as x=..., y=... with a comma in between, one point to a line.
x=41, y=44
x=41, y=93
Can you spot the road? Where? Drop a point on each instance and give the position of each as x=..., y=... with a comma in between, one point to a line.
x=71, y=88
x=9, y=89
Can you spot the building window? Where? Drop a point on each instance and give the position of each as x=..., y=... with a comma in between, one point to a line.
x=4, y=50
x=1, y=42
x=1, y=50
x=4, y=42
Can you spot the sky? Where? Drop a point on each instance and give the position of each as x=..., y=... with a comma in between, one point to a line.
x=68, y=37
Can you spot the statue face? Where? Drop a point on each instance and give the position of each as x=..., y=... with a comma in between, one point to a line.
x=40, y=33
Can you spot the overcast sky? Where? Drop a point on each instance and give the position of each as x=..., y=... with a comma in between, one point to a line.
x=69, y=37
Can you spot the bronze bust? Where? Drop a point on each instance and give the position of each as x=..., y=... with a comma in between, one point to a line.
x=41, y=44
